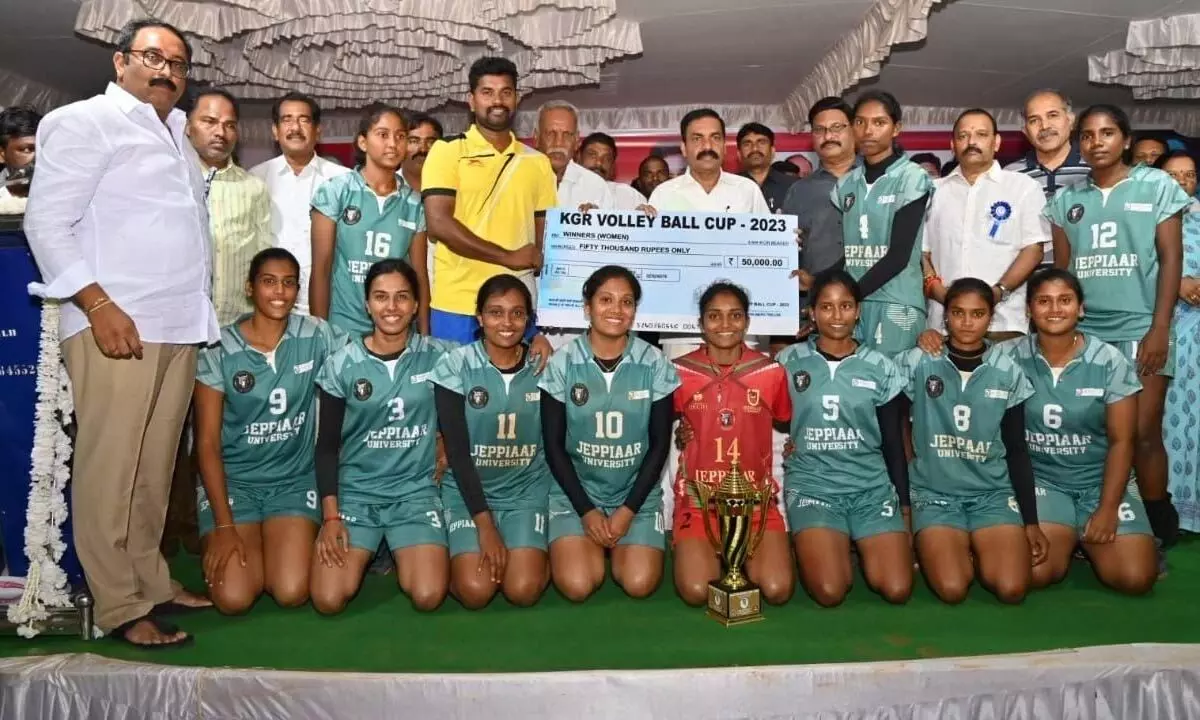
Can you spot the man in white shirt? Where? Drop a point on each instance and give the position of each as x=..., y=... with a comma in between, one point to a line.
x=293, y=177
x=704, y=187
x=598, y=153
x=557, y=137
x=984, y=222
x=117, y=224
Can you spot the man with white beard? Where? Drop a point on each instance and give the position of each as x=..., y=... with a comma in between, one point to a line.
x=557, y=138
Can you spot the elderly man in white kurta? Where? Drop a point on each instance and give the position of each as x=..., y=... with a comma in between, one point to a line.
x=986, y=223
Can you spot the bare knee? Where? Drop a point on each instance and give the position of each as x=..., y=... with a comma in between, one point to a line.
x=328, y=601
x=474, y=595
x=1008, y=590
x=289, y=592
x=1047, y=574
x=426, y=598
x=777, y=591
x=640, y=584
x=1133, y=580
x=233, y=602
x=524, y=592
x=950, y=590
x=576, y=587
x=827, y=594
x=692, y=592
x=896, y=591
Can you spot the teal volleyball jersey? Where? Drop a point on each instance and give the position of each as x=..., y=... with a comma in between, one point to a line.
x=369, y=229
x=834, y=428
x=1066, y=420
x=504, y=423
x=956, y=420
x=389, y=433
x=1113, y=250
x=608, y=414
x=268, y=424
x=867, y=214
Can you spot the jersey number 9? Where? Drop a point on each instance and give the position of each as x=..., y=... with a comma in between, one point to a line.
x=277, y=401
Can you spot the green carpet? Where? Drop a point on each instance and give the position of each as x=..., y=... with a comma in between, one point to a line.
x=381, y=633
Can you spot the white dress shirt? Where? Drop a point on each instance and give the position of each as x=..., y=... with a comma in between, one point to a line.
x=965, y=239
x=580, y=185
x=118, y=199
x=626, y=196
x=291, y=204
x=732, y=194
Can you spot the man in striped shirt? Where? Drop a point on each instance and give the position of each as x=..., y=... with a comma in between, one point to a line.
x=239, y=207
x=1054, y=162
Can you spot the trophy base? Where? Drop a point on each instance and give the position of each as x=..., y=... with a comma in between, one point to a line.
x=734, y=607
x=60, y=621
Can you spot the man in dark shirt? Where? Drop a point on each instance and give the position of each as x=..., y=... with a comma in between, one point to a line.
x=756, y=152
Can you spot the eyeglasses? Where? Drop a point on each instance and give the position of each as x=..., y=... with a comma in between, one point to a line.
x=155, y=61
x=834, y=129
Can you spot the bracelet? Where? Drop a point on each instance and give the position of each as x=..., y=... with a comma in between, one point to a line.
x=929, y=281
x=97, y=305
x=331, y=518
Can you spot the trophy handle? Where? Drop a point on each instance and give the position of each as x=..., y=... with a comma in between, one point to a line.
x=764, y=500
x=704, y=494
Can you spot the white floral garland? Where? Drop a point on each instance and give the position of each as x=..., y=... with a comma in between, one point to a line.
x=46, y=583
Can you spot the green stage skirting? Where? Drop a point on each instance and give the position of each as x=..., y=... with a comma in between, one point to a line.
x=379, y=632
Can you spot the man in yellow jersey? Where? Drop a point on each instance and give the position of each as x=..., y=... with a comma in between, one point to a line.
x=486, y=196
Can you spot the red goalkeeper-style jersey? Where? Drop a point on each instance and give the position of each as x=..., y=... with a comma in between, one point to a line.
x=731, y=411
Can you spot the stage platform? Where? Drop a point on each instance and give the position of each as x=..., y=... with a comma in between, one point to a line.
x=1074, y=651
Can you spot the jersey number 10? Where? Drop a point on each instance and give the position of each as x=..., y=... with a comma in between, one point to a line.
x=610, y=425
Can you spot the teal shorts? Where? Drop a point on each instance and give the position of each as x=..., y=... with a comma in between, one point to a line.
x=1129, y=349
x=858, y=516
x=969, y=513
x=889, y=328
x=648, y=527
x=256, y=503
x=519, y=527
x=404, y=523
x=1061, y=506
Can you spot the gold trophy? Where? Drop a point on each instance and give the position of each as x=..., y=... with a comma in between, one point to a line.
x=734, y=600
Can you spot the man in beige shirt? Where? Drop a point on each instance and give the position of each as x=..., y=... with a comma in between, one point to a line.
x=239, y=207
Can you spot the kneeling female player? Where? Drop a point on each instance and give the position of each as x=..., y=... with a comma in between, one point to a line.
x=972, y=486
x=729, y=398
x=254, y=404
x=1081, y=422
x=606, y=420
x=377, y=452
x=847, y=478
x=489, y=409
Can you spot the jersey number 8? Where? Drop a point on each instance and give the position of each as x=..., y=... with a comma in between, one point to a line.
x=962, y=418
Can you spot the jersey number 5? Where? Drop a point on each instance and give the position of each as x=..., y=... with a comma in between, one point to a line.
x=833, y=408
